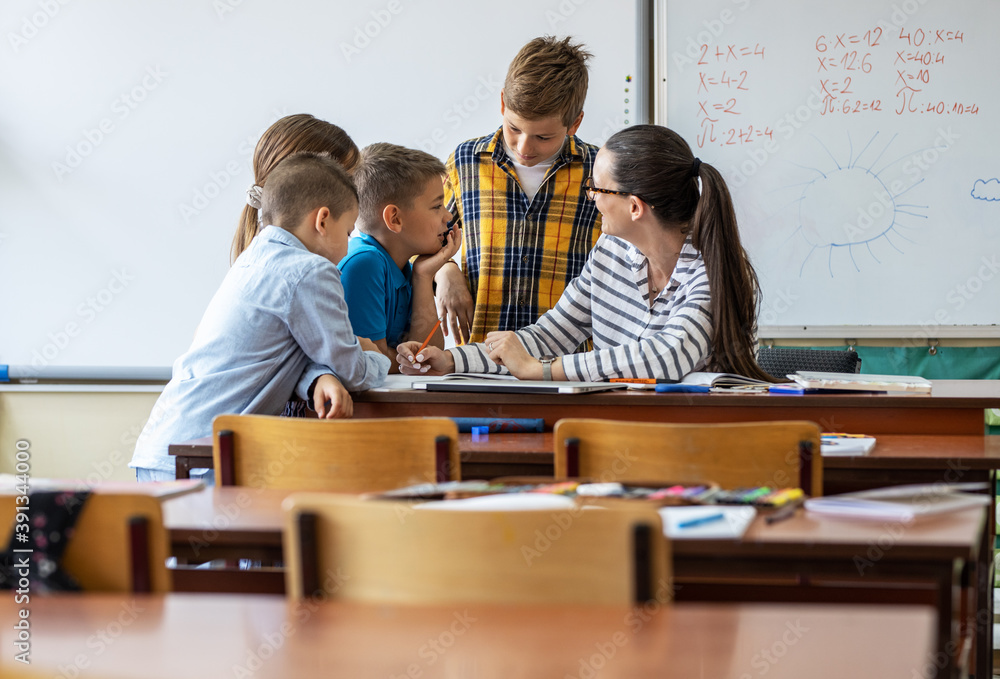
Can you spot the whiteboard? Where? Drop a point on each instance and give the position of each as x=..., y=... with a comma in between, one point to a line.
x=127, y=130
x=859, y=141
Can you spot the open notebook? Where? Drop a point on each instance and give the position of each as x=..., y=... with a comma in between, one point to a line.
x=852, y=382
x=901, y=503
x=466, y=382
x=707, y=379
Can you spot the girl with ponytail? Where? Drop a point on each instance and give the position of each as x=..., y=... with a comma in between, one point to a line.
x=288, y=135
x=667, y=290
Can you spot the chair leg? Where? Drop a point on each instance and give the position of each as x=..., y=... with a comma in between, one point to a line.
x=806, y=462
x=572, y=457
x=641, y=554
x=442, y=459
x=138, y=529
x=227, y=473
x=308, y=554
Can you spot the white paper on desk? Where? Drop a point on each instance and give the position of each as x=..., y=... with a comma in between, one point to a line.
x=734, y=522
x=846, y=447
x=406, y=382
x=504, y=502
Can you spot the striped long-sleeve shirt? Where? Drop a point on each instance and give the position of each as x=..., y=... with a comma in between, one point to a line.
x=520, y=252
x=609, y=302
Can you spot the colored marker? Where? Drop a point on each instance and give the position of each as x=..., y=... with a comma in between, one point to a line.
x=755, y=494
x=701, y=520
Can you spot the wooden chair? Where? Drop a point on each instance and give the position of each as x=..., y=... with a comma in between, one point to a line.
x=776, y=454
x=119, y=543
x=348, y=456
x=389, y=551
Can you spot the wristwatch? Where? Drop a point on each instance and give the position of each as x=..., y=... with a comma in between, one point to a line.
x=547, y=362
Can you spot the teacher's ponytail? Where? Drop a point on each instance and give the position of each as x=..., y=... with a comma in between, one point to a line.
x=731, y=278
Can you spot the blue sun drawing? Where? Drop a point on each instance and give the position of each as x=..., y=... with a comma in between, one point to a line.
x=855, y=202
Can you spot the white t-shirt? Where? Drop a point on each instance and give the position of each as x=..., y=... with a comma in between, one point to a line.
x=531, y=178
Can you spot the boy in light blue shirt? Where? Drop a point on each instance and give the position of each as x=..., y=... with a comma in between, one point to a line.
x=402, y=215
x=277, y=324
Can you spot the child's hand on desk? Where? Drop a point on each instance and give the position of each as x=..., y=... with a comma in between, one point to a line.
x=331, y=400
x=430, y=360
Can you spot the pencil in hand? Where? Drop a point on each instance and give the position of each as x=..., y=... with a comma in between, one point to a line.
x=427, y=341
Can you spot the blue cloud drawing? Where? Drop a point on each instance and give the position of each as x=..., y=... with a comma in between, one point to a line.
x=986, y=190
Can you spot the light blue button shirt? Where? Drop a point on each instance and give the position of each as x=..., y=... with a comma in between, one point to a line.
x=277, y=322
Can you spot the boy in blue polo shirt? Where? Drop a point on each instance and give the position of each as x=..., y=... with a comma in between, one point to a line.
x=402, y=214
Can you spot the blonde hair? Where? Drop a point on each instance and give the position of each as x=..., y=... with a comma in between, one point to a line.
x=391, y=175
x=303, y=182
x=288, y=135
x=548, y=77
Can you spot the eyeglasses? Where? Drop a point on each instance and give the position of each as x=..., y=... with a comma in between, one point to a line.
x=588, y=184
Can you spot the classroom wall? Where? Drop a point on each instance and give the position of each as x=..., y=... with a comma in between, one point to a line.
x=73, y=434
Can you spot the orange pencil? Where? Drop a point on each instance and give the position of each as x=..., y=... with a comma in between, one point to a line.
x=426, y=341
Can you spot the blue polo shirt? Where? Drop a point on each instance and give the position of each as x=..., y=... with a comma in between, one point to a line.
x=378, y=294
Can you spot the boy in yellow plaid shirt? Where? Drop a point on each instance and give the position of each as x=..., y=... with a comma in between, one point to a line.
x=518, y=194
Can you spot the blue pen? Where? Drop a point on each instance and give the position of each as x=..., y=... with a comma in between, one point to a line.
x=682, y=388
x=701, y=520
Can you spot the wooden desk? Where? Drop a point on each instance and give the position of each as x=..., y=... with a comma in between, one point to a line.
x=955, y=407
x=897, y=459
x=246, y=522
x=204, y=636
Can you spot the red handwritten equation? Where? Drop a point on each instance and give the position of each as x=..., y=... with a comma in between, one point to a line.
x=724, y=75
x=853, y=69
x=918, y=57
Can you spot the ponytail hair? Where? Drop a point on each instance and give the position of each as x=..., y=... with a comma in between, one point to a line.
x=657, y=165
x=288, y=135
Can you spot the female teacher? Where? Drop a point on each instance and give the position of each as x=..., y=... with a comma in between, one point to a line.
x=667, y=290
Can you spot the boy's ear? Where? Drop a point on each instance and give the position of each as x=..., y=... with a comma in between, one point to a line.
x=392, y=217
x=322, y=220
x=503, y=106
x=576, y=125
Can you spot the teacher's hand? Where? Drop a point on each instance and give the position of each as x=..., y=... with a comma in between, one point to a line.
x=505, y=349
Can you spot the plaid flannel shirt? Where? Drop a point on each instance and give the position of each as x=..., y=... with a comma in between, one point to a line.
x=520, y=253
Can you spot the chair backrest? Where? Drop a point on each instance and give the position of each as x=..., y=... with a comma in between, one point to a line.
x=349, y=456
x=390, y=551
x=119, y=543
x=775, y=454
x=782, y=361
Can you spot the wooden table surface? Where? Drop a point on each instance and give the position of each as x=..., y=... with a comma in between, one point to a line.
x=953, y=407
x=237, y=515
x=192, y=636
